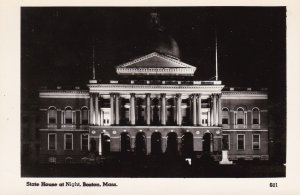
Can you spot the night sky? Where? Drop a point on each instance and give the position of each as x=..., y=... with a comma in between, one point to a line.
x=56, y=47
x=56, y=43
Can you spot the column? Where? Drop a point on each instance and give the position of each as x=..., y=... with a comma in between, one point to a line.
x=112, y=117
x=220, y=109
x=175, y=110
x=148, y=108
x=215, y=109
x=96, y=110
x=91, y=109
x=163, y=109
x=208, y=118
x=117, y=109
x=199, y=110
x=211, y=110
x=194, y=110
x=100, y=144
x=179, y=119
x=132, y=109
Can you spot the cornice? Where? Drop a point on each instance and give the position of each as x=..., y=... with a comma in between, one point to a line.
x=64, y=94
x=127, y=88
x=244, y=95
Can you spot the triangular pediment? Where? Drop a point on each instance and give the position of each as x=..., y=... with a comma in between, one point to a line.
x=155, y=64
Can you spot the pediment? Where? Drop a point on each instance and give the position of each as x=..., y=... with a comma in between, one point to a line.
x=155, y=64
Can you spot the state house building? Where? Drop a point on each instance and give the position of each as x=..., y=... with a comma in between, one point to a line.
x=155, y=106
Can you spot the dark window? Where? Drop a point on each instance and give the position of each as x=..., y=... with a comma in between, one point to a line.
x=240, y=116
x=225, y=116
x=84, y=116
x=255, y=121
x=255, y=142
x=240, y=121
x=68, y=160
x=255, y=115
x=225, y=141
x=52, y=141
x=225, y=121
x=84, y=142
x=241, y=142
x=52, y=115
x=68, y=116
x=68, y=141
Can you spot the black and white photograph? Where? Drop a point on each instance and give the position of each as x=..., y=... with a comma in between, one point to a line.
x=153, y=92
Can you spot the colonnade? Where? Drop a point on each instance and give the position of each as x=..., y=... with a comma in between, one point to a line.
x=213, y=116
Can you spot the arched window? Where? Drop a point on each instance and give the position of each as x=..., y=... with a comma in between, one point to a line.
x=240, y=116
x=84, y=115
x=68, y=115
x=225, y=116
x=255, y=116
x=84, y=160
x=52, y=115
x=68, y=160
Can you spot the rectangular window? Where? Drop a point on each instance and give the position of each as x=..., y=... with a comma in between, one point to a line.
x=226, y=143
x=85, y=142
x=240, y=121
x=52, y=141
x=52, y=160
x=255, y=141
x=255, y=121
x=68, y=141
x=240, y=142
x=225, y=121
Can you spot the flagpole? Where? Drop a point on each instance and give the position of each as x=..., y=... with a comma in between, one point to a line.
x=217, y=77
x=94, y=74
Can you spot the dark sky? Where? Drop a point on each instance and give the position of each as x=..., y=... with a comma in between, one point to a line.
x=56, y=43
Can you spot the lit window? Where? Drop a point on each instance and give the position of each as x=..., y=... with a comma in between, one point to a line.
x=68, y=141
x=255, y=116
x=256, y=141
x=240, y=142
x=52, y=160
x=52, y=141
x=84, y=116
x=225, y=141
x=68, y=115
x=84, y=142
x=52, y=113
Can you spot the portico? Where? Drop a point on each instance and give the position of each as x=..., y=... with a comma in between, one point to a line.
x=175, y=115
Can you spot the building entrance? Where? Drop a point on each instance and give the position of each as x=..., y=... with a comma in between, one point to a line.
x=125, y=142
x=105, y=141
x=140, y=143
x=207, y=137
x=187, y=144
x=172, y=144
x=156, y=143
